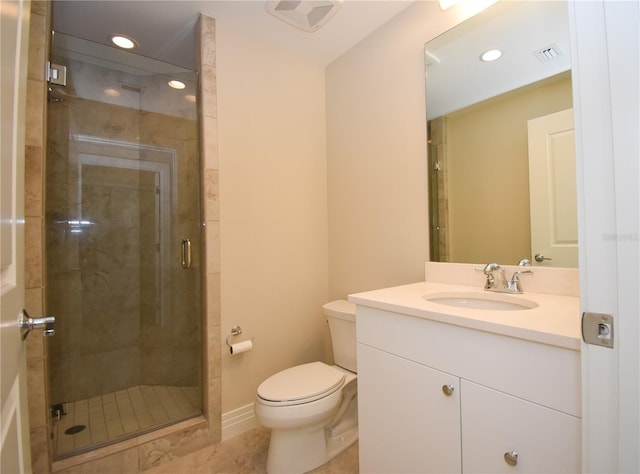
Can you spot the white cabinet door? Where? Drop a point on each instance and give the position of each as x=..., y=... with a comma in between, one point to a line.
x=406, y=422
x=494, y=423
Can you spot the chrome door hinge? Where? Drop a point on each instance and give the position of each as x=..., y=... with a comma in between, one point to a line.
x=56, y=74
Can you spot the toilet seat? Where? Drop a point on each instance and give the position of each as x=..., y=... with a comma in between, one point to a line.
x=301, y=384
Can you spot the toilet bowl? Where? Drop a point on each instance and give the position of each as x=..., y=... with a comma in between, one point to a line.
x=311, y=408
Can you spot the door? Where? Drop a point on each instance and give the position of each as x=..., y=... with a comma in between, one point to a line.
x=552, y=190
x=14, y=427
x=606, y=57
x=122, y=192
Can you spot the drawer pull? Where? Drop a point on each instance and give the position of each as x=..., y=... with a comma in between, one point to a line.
x=511, y=458
x=447, y=390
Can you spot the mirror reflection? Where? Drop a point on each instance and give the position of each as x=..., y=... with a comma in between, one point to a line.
x=501, y=148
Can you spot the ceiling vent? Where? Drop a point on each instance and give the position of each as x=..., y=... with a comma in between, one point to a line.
x=307, y=15
x=548, y=53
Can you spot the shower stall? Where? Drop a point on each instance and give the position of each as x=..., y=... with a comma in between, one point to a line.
x=123, y=246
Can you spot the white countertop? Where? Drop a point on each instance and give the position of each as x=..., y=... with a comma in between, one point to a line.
x=555, y=321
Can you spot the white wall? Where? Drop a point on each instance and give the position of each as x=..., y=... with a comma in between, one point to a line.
x=273, y=211
x=376, y=144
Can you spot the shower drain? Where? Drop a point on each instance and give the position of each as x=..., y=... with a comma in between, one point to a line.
x=74, y=429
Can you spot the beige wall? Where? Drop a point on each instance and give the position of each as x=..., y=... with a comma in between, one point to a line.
x=322, y=186
x=377, y=172
x=490, y=139
x=273, y=212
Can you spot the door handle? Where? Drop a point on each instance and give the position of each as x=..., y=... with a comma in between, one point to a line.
x=26, y=323
x=186, y=253
x=540, y=258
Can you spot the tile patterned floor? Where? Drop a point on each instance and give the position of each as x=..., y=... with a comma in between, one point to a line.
x=117, y=415
x=247, y=454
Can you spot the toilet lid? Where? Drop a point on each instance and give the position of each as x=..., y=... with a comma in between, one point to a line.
x=307, y=381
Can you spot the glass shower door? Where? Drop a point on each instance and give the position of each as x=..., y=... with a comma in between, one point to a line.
x=122, y=194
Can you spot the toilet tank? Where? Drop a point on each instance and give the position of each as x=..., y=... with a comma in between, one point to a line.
x=342, y=323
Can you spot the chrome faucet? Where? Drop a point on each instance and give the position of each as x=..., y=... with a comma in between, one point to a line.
x=497, y=281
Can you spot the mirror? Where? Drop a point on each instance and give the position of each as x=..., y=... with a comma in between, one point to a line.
x=501, y=156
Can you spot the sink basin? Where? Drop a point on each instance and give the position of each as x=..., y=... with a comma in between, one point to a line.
x=483, y=301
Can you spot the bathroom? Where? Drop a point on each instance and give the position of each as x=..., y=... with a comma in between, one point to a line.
x=317, y=218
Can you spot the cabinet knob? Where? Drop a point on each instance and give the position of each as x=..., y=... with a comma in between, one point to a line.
x=447, y=390
x=511, y=458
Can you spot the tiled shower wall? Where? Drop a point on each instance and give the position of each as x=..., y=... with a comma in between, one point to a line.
x=155, y=448
x=101, y=347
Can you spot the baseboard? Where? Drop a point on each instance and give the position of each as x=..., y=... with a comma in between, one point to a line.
x=238, y=421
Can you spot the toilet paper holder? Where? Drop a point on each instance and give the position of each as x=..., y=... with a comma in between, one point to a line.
x=235, y=331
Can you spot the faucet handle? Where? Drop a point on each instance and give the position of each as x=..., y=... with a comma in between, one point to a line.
x=491, y=267
x=521, y=272
x=487, y=268
x=524, y=262
x=495, y=276
x=514, y=284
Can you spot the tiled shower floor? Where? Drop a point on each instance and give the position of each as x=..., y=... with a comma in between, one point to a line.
x=117, y=415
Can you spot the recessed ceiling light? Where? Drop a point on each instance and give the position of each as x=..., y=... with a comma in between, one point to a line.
x=491, y=55
x=176, y=84
x=111, y=92
x=190, y=98
x=124, y=42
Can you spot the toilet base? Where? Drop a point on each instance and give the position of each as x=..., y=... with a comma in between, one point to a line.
x=293, y=452
x=343, y=434
x=296, y=451
x=302, y=450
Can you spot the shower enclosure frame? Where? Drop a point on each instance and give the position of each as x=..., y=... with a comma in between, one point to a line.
x=176, y=440
x=161, y=162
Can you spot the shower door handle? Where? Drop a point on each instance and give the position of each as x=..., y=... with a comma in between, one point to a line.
x=26, y=323
x=186, y=253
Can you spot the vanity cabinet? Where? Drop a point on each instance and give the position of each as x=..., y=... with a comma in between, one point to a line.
x=435, y=397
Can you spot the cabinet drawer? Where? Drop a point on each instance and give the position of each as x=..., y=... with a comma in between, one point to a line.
x=494, y=423
x=543, y=374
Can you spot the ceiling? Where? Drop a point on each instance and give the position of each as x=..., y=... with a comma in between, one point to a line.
x=520, y=30
x=164, y=29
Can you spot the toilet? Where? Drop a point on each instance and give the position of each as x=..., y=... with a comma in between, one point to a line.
x=312, y=408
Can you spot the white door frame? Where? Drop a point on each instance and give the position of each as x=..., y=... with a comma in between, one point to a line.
x=605, y=57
